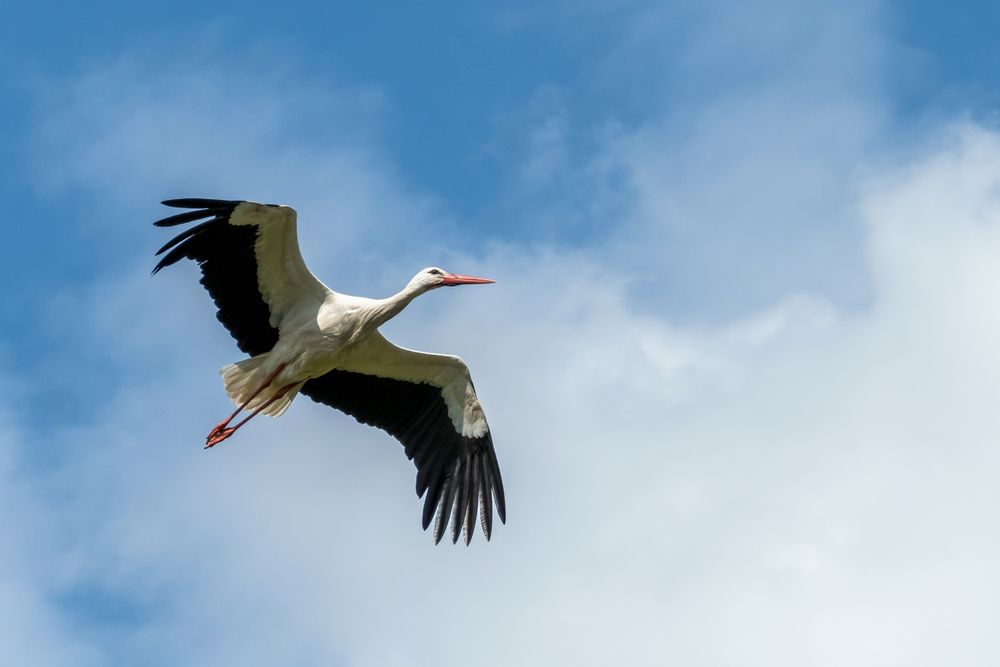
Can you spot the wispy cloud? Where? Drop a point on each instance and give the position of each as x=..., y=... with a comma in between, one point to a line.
x=726, y=142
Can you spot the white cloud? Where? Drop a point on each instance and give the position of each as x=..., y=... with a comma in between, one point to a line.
x=31, y=631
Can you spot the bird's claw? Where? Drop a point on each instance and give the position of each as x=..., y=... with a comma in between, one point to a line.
x=218, y=434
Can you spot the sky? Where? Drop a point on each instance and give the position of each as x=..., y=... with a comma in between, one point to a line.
x=740, y=361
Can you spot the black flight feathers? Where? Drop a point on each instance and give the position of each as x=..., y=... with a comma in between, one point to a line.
x=455, y=471
x=217, y=209
x=198, y=202
x=228, y=264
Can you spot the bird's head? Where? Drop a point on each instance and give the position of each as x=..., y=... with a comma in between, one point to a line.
x=433, y=277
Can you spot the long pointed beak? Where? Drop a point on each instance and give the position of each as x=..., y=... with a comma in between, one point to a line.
x=452, y=279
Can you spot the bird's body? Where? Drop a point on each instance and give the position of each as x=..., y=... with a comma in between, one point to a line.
x=305, y=338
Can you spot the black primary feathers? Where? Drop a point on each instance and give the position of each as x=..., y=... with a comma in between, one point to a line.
x=228, y=264
x=456, y=472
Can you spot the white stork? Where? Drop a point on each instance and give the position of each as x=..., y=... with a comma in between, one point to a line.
x=304, y=337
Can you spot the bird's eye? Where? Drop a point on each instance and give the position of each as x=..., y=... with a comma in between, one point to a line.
x=435, y=272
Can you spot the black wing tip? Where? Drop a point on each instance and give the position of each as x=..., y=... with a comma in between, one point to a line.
x=215, y=210
x=456, y=503
x=201, y=208
x=501, y=506
x=200, y=202
x=467, y=535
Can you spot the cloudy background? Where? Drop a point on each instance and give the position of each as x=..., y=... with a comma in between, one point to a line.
x=742, y=362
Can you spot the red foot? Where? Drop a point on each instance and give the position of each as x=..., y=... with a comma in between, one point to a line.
x=219, y=428
x=218, y=434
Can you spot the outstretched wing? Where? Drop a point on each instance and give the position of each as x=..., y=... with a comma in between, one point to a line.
x=250, y=264
x=428, y=403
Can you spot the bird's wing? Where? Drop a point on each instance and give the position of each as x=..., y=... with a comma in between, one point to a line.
x=250, y=264
x=428, y=403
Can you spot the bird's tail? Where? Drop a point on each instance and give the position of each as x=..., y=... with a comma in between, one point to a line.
x=244, y=378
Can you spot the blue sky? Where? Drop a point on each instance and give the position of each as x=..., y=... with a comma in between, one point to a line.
x=739, y=361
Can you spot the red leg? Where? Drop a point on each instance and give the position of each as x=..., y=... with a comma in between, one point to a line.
x=215, y=438
x=221, y=426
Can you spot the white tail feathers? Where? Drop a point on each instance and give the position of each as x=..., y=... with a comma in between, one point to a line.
x=245, y=377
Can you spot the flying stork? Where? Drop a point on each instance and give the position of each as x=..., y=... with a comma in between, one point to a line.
x=304, y=337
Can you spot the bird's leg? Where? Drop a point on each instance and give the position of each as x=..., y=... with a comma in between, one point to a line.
x=221, y=426
x=217, y=437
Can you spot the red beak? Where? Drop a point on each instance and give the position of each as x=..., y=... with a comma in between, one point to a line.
x=452, y=279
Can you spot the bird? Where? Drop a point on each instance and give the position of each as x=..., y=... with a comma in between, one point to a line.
x=302, y=337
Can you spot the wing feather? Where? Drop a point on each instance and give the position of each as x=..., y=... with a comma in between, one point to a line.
x=486, y=513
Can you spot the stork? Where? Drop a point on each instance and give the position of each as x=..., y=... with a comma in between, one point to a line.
x=302, y=337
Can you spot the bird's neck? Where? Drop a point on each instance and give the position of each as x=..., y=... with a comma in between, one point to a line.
x=383, y=310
